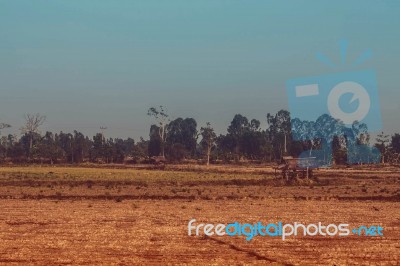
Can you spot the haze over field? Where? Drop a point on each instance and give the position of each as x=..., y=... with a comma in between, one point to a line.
x=87, y=64
x=130, y=131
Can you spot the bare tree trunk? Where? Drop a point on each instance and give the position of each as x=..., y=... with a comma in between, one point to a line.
x=72, y=154
x=30, y=142
x=208, y=155
x=208, y=149
x=285, y=149
x=30, y=147
x=33, y=122
x=162, y=138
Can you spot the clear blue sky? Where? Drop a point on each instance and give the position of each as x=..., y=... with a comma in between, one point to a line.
x=91, y=63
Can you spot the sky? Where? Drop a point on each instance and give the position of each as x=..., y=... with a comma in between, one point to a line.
x=87, y=64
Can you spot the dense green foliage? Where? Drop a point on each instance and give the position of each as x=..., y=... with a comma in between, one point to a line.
x=180, y=139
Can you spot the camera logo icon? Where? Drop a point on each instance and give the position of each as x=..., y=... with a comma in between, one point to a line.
x=344, y=105
x=347, y=96
x=358, y=92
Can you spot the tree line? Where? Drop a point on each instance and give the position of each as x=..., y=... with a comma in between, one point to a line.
x=181, y=139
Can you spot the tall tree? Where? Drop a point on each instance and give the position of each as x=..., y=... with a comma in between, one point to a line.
x=140, y=149
x=49, y=149
x=65, y=142
x=226, y=146
x=382, y=141
x=161, y=117
x=32, y=124
x=253, y=142
x=98, y=149
x=395, y=143
x=4, y=142
x=320, y=137
x=184, y=132
x=239, y=125
x=208, y=140
x=279, y=131
x=154, y=148
x=79, y=147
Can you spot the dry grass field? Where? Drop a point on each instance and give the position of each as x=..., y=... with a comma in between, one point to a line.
x=125, y=216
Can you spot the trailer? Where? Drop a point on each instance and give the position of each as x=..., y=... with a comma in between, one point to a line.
x=291, y=168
